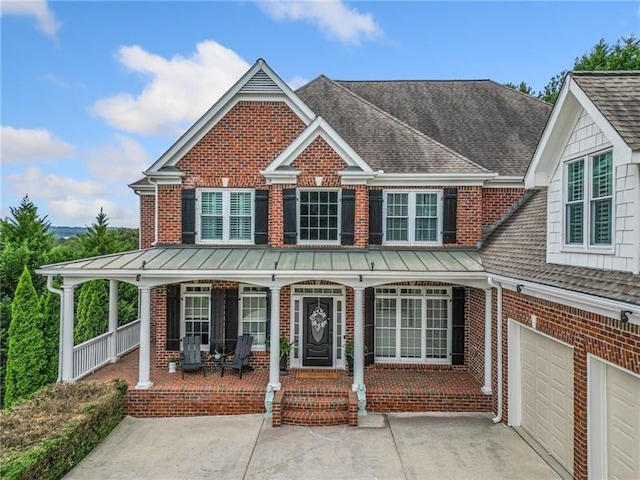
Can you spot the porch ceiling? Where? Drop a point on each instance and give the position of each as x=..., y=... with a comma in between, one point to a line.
x=215, y=260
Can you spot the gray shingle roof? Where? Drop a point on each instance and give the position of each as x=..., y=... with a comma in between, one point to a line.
x=617, y=95
x=517, y=249
x=384, y=142
x=490, y=124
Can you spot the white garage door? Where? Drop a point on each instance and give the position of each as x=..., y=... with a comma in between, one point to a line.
x=623, y=424
x=547, y=394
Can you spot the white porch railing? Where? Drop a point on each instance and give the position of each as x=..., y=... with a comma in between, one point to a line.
x=93, y=354
x=128, y=337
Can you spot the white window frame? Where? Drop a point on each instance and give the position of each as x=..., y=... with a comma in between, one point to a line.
x=204, y=290
x=252, y=291
x=411, y=223
x=424, y=294
x=587, y=202
x=298, y=205
x=226, y=216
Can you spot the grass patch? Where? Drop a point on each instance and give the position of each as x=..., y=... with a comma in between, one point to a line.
x=46, y=435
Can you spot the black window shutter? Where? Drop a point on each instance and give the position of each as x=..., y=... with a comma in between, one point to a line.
x=231, y=301
x=450, y=214
x=369, y=325
x=216, y=328
x=375, y=217
x=347, y=229
x=173, y=317
x=261, y=212
x=457, y=323
x=290, y=212
x=189, y=215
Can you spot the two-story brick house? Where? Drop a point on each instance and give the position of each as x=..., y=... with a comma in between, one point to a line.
x=394, y=214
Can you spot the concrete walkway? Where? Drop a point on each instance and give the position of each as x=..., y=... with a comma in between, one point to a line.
x=398, y=446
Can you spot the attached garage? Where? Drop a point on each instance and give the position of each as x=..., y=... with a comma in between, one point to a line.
x=541, y=391
x=614, y=421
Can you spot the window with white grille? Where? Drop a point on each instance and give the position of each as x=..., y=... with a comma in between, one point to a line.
x=225, y=216
x=319, y=215
x=196, y=315
x=254, y=314
x=412, y=217
x=413, y=324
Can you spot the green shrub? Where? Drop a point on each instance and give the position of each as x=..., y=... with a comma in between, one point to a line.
x=46, y=436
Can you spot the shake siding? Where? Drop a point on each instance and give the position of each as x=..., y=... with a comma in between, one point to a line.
x=588, y=138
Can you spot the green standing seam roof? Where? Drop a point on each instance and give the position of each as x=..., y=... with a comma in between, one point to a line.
x=251, y=259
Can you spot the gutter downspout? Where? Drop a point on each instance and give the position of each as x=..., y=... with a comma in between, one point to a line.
x=498, y=417
x=155, y=215
x=58, y=292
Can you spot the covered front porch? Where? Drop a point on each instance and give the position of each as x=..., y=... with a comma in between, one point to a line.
x=444, y=381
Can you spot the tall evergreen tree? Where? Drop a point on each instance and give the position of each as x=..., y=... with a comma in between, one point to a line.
x=26, y=357
x=51, y=332
x=99, y=239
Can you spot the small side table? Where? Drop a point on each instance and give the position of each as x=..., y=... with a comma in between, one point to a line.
x=216, y=363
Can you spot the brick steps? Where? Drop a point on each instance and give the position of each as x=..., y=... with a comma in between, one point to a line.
x=315, y=408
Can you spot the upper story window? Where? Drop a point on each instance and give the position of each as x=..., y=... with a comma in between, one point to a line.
x=589, y=200
x=413, y=217
x=319, y=216
x=225, y=216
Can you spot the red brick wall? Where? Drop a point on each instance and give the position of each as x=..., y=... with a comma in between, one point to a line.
x=158, y=403
x=588, y=333
x=169, y=214
x=474, y=333
x=147, y=220
x=496, y=202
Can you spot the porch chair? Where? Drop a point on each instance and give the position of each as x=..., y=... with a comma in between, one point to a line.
x=192, y=358
x=240, y=356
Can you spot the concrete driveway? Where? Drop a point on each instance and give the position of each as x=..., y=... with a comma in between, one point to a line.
x=398, y=446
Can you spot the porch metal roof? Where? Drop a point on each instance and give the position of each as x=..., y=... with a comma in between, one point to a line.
x=182, y=259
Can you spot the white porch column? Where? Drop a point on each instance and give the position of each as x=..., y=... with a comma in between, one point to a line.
x=486, y=388
x=274, y=356
x=113, y=320
x=66, y=346
x=358, y=338
x=144, y=367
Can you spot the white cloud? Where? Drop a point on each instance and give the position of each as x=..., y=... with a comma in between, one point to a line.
x=123, y=161
x=39, y=9
x=333, y=17
x=296, y=82
x=68, y=201
x=48, y=186
x=177, y=92
x=27, y=145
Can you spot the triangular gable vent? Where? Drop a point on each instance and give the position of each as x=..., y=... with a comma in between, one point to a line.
x=260, y=82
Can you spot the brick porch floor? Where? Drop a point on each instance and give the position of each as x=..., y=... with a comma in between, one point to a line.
x=388, y=390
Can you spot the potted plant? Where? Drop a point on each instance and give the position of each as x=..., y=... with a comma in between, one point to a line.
x=173, y=361
x=285, y=350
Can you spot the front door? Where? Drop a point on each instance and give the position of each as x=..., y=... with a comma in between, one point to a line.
x=317, y=348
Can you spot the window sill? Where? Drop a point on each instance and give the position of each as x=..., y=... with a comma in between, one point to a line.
x=222, y=242
x=589, y=250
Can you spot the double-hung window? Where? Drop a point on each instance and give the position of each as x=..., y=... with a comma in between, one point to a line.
x=319, y=215
x=254, y=314
x=589, y=200
x=196, y=312
x=225, y=216
x=413, y=325
x=413, y=217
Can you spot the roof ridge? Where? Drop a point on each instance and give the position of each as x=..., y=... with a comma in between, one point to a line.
x=603, y=73
x=417, y=80
x=409, y=127
x=530, y=97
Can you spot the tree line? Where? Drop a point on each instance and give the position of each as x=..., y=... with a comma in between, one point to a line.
x=622, y=55
x=30, y=313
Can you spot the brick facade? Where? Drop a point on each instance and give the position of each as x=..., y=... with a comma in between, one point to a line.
x=588, y=333
x=497, y=201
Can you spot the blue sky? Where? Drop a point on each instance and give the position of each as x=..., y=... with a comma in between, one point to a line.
x=93, y=92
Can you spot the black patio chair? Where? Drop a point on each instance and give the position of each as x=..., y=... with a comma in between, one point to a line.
x=192, y=358
x=240, y=356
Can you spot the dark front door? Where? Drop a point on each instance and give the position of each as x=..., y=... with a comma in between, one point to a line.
x=317, y=332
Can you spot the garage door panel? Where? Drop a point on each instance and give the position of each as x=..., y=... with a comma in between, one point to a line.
x=547, y=394
x=623, y=424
